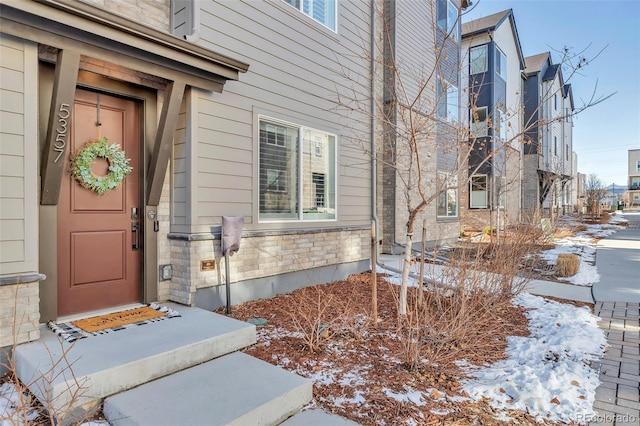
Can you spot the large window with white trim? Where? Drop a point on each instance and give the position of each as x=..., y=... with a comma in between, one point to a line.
x=479, y=198
x=500, y=125
x=501, y=64
x=297, y=172
x=323, y=11
x=448, y=102
x=447, y=203
x=447, y=14
x=479, y=125
x=478, y=59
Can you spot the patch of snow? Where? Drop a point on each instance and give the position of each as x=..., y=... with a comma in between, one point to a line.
x=411, y=395
x=12, y=406
x=548, y=373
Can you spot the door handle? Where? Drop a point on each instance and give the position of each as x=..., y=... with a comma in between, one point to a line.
x=135, y=228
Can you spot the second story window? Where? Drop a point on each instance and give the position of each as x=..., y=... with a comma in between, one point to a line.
x=478, y=59
x=500, y=125
x=501, y=64
x=447, y=14
x=323, y=11
x=479, y=122
x=447, y=95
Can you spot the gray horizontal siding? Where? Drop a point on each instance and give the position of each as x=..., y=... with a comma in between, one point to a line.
x=18, y=141
x=296, y=73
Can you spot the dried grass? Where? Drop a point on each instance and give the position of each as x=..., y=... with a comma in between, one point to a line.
x=567, y=264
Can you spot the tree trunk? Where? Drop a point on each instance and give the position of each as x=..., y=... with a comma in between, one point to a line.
x=402, y=308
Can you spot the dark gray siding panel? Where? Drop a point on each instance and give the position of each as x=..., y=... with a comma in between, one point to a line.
x=531, y=114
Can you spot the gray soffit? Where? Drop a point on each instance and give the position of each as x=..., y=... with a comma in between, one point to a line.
x=103, y=35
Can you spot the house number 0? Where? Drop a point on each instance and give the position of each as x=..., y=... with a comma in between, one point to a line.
x=61, y=131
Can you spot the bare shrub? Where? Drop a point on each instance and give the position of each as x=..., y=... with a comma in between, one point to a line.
x=567, y=265
x=319, y=316
x=462, y=311
x=26, y=408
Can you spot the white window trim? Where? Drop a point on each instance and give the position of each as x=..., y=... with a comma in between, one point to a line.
x=444, y=96
x=473, y=127
x=300, y=8
x=486, y=192
x=497, y=69
x=485, y=48
x=452, y=29
x=451, y=184
x=299, y=177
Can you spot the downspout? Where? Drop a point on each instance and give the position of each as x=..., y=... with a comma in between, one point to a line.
x=374, y=162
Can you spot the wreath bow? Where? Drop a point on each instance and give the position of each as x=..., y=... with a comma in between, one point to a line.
x=82, y=161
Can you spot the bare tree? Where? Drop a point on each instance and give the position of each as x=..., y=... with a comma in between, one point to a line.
x=421, y=111
x=594, y=190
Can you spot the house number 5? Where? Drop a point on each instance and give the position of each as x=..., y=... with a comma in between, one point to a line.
x=61, y=131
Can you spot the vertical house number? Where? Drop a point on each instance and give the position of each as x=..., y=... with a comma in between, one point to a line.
x=61, y=131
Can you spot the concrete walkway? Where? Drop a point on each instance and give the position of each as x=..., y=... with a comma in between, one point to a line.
x=617, y=303
x=617, y=297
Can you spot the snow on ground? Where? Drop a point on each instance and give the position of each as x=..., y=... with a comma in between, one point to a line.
x=583, y=244
x=547, y=373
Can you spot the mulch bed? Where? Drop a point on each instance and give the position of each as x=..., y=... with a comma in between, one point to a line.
x=359, y=368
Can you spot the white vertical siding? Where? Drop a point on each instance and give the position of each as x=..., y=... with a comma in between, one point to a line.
x=504, y=38
x=18, y=156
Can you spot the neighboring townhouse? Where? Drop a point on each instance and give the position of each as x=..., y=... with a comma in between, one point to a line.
x=634, y=179
x=491, y=196
x=581, y=181
x=548, y=124
x=574, y=206
x=221, y=109
x=421, y=116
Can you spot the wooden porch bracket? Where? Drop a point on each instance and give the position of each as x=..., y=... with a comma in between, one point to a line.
x=164, y=141
x=59, y=125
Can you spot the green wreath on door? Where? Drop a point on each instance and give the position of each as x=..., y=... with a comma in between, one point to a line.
x=82, y=161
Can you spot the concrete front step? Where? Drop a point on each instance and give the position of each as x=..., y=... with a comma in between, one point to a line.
x=317, y=417
x=235, y=389
x=73, y=377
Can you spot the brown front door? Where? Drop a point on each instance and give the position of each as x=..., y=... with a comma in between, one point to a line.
x=98, y=247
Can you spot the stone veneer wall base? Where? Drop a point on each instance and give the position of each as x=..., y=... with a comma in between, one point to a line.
x=263, y=288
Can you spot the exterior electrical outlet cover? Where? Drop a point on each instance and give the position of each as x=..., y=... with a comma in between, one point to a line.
x=166, y=272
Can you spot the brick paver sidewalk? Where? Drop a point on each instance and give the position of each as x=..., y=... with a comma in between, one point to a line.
x=618, y=396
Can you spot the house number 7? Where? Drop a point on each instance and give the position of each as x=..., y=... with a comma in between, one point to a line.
x=61, y=131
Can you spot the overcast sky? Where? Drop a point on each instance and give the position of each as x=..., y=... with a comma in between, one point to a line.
x=608, y=32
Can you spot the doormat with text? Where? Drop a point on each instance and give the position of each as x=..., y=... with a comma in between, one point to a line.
x=102, y=324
